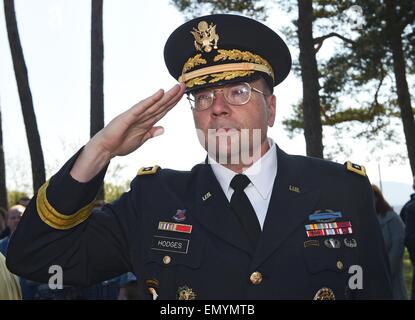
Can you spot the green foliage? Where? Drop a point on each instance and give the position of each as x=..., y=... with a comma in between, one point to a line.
x=195, y=8
x=14, y=196
x=408, y=270
x=113, y=192
x=357, y=88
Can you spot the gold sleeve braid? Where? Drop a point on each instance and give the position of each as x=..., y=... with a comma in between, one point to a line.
x=57, y=220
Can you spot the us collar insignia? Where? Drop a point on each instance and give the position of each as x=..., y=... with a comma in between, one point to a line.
x=206, y=196
x=175, y=227
x=185, y=293
x=325, y=294
x=180, y=215
x=294, y=189
x=205, y=37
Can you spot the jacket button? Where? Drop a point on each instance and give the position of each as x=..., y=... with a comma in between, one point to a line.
x=256, y=277
x=339, y=265
x=166, y=259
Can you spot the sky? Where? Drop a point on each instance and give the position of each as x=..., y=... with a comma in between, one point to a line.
x=55, y=36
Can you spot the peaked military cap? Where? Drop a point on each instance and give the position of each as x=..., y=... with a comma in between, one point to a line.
x=221, y=48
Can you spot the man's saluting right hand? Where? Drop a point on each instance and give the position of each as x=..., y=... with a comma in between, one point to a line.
x=125, y=133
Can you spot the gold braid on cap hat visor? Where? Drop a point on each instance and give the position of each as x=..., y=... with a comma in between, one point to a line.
x=254, y=63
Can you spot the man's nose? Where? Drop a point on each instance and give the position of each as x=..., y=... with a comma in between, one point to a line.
x=220, y=107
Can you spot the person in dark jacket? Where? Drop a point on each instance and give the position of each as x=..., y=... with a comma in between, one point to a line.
x=408, y=217
x=393, y=231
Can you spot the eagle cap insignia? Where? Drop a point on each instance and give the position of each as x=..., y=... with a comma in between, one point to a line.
x=205, y=36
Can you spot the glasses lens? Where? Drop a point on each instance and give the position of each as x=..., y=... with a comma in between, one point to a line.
x=238, y=94
x=203, y=99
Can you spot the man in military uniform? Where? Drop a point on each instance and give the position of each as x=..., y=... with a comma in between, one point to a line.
x=264, y=226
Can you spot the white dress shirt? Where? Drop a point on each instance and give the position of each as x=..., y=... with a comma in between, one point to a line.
x=262, y=174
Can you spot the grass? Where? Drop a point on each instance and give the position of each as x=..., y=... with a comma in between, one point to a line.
x=407, y=272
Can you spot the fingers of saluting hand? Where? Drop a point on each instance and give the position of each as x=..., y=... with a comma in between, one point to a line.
x=158, y=102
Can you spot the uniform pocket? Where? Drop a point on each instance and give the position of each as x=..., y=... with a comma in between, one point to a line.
x=323, y=259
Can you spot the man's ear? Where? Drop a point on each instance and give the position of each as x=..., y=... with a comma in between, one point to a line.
x=271, y=106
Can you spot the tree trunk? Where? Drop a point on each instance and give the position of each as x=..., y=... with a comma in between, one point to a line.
x=404, y=98
x=97, y=73
x=29, y=117
x=313, y=131
x=3, y=189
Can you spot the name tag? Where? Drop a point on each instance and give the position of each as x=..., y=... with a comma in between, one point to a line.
x=170, y=244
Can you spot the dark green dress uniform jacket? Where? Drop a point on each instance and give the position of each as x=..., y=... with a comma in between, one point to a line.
x=215, y=260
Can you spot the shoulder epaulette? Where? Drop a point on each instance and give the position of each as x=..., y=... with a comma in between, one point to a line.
x=355, y=168
x=148, y=170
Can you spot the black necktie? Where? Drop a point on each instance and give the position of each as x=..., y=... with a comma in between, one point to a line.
x=243, y=208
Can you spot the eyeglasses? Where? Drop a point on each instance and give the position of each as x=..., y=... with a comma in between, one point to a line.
x=234, y=94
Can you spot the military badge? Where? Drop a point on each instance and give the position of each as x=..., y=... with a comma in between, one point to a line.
x=353, y=167
x=332, y=243
x=148, y=170
x=311, y=243
x=325, y=294
x=328, y=229
x=175, y=227
x=152, y=285
x=205, y=36
x=322, y=215
x=206, y=196
x=350, y=243
x=180, y=215
x=294, y=189
x=185, y=293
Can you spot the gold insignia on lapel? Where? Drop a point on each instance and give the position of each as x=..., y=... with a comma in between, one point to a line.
x=185, y=293
x=148, y=170
x=205, y=36
x=325, y=294
x=294, y=189
x=206, y=196
x=355, y=168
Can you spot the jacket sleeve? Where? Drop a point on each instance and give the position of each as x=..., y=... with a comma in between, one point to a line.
x=61, y=228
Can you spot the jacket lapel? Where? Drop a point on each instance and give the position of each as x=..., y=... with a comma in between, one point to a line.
x=213, y=211
x=291, y=201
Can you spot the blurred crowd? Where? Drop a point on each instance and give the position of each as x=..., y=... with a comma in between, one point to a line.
x=123, y=287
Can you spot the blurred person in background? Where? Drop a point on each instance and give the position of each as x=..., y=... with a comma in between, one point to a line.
x=408, y=217
x=9, y=286
x=13, y=218
x=393, y=230
x=3, y=214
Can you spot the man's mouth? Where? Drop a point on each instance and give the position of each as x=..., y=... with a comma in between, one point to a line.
x=226, y=131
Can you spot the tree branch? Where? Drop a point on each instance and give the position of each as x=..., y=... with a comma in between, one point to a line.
x=319, y=41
